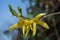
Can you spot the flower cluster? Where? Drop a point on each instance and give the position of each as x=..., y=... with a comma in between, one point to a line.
x=29, y=24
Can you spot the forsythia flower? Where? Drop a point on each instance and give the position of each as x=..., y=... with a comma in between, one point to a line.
x=28, y=25
x=37, y=21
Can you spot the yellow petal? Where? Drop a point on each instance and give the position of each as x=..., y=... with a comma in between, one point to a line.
x=14, y=26
x=39, y=15
x=23, y=29
x=31, y=27
x=34, y=29
x=26, y=21
x=27, y=31
x=43, y=24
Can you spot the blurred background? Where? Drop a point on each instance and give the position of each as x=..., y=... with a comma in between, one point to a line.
x=30, y=8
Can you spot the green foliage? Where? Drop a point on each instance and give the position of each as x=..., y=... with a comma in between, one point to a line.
x=20, y=10
x=12, y=11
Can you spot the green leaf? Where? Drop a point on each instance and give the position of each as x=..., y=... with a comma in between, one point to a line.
x=20, y=10
x=10, y=7
x=12, y=11
x=47, y=38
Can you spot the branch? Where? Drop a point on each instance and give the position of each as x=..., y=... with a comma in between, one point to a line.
x=50, y=15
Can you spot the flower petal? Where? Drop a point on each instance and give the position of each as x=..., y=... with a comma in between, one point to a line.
x=27, y=31
x=34, y=29
x=14, y=26
x=31, y=27
x=43, y=24
x=39, y=15
x=23, y=29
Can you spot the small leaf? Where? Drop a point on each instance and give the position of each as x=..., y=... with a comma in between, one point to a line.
x=20, y=10
x=10, y=7
x=12, y=11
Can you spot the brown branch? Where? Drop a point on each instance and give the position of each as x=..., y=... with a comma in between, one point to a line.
x=52, y=14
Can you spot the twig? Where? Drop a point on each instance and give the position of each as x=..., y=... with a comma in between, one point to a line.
x=50, y=15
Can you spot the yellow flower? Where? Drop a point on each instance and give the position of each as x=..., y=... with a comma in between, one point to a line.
x=16, y=25
x=28, y=25
x=24, y=23
x=37, y=21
